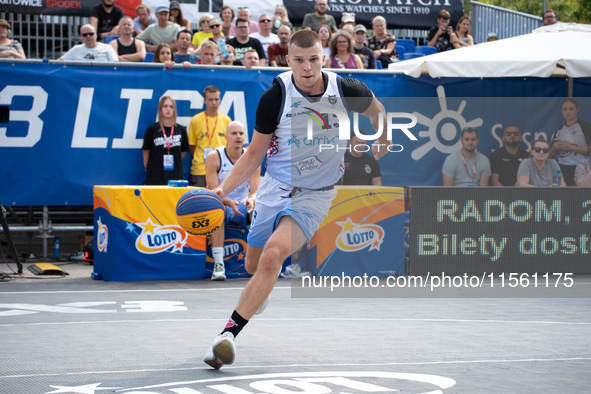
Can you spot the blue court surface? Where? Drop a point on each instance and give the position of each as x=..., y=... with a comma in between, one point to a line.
x=92, y=337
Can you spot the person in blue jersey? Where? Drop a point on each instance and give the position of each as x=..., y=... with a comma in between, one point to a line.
x=298, y=188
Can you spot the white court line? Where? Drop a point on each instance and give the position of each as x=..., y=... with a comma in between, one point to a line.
x=129, y=291
x=323, y=365
x=301, y=320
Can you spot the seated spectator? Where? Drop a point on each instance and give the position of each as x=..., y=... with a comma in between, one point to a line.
x=264, y=34
x=538, y=170
x=183, y=55
x=462, y=38
x=278, y=52
x=243, y=42
x=164, y=54
x=205, y=33
x=90, y=49
x=176, y=16
x=244, y=13
x=9, y=48
x=280, y=18
x=251, y=59
x=361, y=168
x=348, y=18
x=325, y=35
x=492, y=37
x=368, y=58
x=348, y=28
x=466, y=167
x=164, y=32
x=128, y=48
x=505, y=161
x=440, y=36
x=209, y=51
x=583, y=173
x=143, y=20
x=549, y=17
x=227, y=15
x=215, y=28
x=313, y=20
x=165, y=144
x=383, y=44
x=104, y=17
x=341, y=52
x=228, y=61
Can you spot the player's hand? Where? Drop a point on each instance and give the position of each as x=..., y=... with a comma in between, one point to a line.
x=233, y=204
x=380, y=150
x=249, y=202
x=219, y=192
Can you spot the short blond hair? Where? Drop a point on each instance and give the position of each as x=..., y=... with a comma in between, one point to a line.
x=209, y=44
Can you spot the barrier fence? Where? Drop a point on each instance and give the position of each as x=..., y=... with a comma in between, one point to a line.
x=505, y=23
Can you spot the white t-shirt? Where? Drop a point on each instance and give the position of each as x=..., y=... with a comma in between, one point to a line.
x=100, y=53
x=266, y=42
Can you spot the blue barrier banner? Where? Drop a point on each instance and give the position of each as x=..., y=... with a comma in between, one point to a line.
x=73, y=127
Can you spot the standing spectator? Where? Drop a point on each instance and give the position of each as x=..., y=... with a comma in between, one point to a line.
x=90, y=49
x=143, y=20
x=549, y=18
x=361, y=168
x=164, y=54
x=127, y=47
x=227, y=15
x=462, y=38
x=264, y=34
x=325, y=35
x=164, y=32
x=165, y=145
x=466, y=167
x=348, y=18
x=383, y=43
x=242, y=42
x=244, y=13
x=572, y=141
x=205, y=33
x=9, y=48
x=183, y=55
x=278, y=52
x=251, y=59
x=341, y=52
x=505, y=161
x=176, y=16
x=280, y=18
x=538, y=170
x=367, y=56
x=228, y=61
x=104, y=17
x=206, y=133
x=319, y=17
x=209, y=51
x=440, y=36
x=583, y=173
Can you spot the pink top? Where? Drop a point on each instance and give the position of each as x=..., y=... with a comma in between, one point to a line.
x=349, y=64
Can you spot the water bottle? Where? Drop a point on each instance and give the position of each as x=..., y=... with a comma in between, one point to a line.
x=277, y=23
x=558, y=178
x=223, y=48
x=56, y=247
x=179, y=183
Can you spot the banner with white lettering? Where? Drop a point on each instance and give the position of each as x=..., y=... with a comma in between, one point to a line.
x=414, y=14
x=75, y=127
x=62, y=7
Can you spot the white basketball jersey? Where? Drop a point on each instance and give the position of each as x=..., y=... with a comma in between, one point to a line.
x=226, y=165
x=293, y=157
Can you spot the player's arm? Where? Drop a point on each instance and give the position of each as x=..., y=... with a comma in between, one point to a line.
x=254, y=182
x=247, y=164
x=376, y=181
x=374, y=112
x=212, y=166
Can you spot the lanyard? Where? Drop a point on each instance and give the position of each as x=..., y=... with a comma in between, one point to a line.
x=209, y=137
x=466, y=167
x=166, y=139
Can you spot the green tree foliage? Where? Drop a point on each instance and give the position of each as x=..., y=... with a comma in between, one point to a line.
x=567, y=10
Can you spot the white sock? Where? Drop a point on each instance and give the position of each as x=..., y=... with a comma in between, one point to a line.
x=218, y=255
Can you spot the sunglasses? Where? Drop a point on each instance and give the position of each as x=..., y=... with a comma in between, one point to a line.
x=545, y=150
x=512, y=133
x=214, y=26
x=265, y=20
x=468, y=129
x=87, y=34
x=242, y=8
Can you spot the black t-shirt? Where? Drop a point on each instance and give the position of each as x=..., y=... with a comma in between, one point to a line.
x=241, y=49
x=443, y=41
x=357, y=96
x=106, y=21
x=506, y=165
x=155, y=143
x=368, y=58
x=360, y=170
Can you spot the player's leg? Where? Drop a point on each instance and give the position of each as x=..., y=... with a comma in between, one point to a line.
x=217, y=251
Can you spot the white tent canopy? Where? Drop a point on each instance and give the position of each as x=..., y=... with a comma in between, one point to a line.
x=530, y=55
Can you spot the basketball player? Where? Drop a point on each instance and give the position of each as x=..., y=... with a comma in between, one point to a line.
x=218, y=165
x=297, y=190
